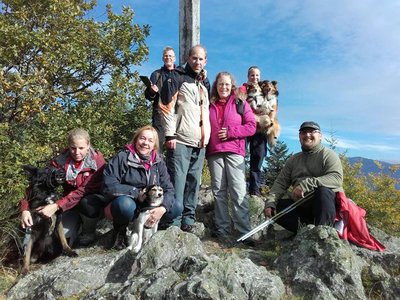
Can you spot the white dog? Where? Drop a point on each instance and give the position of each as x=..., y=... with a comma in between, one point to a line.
x=141, y=233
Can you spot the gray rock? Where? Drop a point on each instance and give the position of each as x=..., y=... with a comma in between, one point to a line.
x=231, y=277
x=314, y=264
x=65, y=276
x=167, y=248
x=318, y=265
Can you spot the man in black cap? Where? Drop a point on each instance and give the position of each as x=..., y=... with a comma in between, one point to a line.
x=312, y=176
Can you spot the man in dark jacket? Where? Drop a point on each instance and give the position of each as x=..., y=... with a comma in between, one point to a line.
x=152, y=93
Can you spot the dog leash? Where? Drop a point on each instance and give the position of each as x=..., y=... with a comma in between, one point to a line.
x=27, y=237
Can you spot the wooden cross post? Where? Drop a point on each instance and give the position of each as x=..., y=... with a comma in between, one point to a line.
x=189, y=27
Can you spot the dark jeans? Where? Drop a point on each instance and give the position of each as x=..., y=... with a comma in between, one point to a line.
x=124, y=210
x=157, y=124
x=258, y=150
x=92, y=205
x=319, y=210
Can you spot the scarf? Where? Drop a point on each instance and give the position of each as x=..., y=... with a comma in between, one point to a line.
x=145, y=161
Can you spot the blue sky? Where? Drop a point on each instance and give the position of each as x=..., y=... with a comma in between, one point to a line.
x=336, y=62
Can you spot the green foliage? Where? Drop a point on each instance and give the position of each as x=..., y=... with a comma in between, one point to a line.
x=275, y=162
x=60, y=69
x=371, y=283
x=376, y=193
x=205, y=175
x=332, y=141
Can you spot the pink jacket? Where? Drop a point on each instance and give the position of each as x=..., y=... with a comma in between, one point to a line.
x=239, y=127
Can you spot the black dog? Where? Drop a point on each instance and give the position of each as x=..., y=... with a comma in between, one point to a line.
x=40, y=239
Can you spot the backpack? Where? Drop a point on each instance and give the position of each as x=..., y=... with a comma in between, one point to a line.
x=240, y=107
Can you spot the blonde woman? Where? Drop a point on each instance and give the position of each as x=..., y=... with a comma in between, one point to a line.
x=125, y=179
x=83, y=166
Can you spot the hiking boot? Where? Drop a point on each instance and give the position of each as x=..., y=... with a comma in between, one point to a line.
x=250, y=242
x=163, y=226
x=187, y=228
x=225, y=239
x=119, y=239
x=88, y=234
x=85, y=239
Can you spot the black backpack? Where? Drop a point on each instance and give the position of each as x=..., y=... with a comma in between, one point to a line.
x=240, y=107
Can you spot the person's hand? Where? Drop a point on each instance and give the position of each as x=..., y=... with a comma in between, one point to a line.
x=155, y=216
x=154, y=89
x=171, y=144
x=223, y=134
x=269, y=212
x=26, y=219
x=48, y=210
x=297, y=193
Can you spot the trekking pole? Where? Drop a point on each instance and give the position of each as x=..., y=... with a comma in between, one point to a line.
x=273, y=219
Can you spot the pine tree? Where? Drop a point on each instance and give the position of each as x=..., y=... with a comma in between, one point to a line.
x=275, y=162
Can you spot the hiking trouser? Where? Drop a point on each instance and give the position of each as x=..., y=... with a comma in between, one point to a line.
x=258, y=150
x=228, y=181
x=92, y=205
x=318, y=210
x=185, y=165
x=124, y=210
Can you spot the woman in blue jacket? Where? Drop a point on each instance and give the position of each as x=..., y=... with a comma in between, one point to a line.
x=126, y=177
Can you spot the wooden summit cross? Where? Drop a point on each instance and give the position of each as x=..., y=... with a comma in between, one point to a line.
x=189, y=27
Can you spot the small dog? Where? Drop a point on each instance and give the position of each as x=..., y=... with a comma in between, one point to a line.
x=41, y=239
x=263, y=100
x=255, y=97
x=141, y=234
x=270, y=92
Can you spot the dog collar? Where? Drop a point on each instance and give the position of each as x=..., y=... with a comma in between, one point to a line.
x=50, y=199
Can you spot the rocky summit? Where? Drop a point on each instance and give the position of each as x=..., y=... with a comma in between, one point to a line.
x=314, y=264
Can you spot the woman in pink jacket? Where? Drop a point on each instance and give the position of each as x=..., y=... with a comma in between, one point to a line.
x=231, y=122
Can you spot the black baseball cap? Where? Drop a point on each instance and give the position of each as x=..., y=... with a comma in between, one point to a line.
x=309, y=124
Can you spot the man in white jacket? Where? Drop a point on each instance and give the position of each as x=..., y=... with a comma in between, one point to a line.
x=184, y=104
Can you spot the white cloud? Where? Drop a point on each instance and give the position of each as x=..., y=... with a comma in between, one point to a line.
x=336, y=61
x=357, y=145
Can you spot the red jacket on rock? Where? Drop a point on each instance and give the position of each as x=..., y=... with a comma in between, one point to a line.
x=355, y=227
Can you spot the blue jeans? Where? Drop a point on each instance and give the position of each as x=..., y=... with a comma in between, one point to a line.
x=258, y=150
x=157, y=124
x=92, y=205
x=124, y=210
x=185, y=165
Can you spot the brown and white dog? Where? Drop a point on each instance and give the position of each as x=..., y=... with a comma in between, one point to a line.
x=263, y=100
x=141, y=234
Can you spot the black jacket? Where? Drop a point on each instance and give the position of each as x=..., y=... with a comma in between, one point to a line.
x=125, y=175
